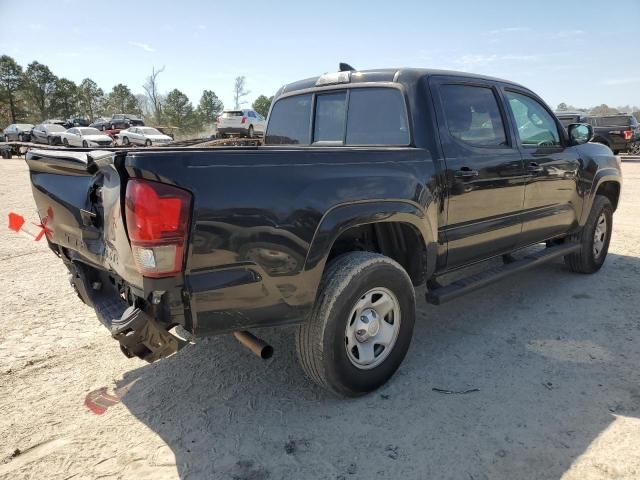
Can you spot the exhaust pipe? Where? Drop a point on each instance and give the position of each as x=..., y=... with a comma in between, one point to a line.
x=255, y=344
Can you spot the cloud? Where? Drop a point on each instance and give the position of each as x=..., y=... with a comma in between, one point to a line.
x=143, y=46
x=568, y=33
x=477, y=60
x=621, y=81
x=500, y=31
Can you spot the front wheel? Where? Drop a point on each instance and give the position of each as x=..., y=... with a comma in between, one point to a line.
x=20, y=137
x=147, y=143
x=65, y=142
x=361, y=325
x=593, y=238
x=125, y=141
x=84, y=144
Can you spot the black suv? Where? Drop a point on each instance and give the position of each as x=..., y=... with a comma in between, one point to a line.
x=124, y=120
x=620, y=132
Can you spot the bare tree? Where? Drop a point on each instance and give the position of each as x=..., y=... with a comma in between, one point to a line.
x=151, y=89
x=239, y=91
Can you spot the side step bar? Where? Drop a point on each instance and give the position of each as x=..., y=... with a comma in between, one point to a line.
x=441, y=295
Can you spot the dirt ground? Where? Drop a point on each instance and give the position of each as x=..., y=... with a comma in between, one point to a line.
x=554, y=356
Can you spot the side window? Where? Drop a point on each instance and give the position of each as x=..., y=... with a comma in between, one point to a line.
x=377, y=116
x=535, y=126
x=330, y=117
x=73, y=131
x=290, y=121
x=472, y=115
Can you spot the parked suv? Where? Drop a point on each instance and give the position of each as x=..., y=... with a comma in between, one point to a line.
x=369, y=183
x=17, y=131
x=244, y=123
x=124, y=120
x=620, y=132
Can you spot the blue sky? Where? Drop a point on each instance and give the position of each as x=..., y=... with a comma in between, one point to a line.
x=583, y=53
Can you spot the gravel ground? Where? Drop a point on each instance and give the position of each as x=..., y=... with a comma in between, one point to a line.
x=554, y=356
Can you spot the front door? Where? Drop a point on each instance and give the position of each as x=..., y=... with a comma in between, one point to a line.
x=551, y=201
x=484, y=169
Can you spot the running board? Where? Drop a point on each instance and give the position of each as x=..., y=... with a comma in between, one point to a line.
x=441, y=295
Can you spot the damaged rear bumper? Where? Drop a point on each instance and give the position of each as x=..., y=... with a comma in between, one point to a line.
x=138, y=333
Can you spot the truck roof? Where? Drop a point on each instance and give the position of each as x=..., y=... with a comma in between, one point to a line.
x=399, y=75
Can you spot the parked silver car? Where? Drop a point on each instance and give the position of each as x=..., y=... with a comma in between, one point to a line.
x=146, y=136
x=85, y=137
x=47, y=133
x=17, y=131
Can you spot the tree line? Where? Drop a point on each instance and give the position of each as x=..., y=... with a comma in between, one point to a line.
x=35, y=93
x=600, y=110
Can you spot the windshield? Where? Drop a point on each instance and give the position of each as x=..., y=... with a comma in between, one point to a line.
x=56, y=128
x=90, y=131
x=150, y=131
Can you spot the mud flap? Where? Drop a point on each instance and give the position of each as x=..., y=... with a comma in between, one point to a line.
x=141, y=336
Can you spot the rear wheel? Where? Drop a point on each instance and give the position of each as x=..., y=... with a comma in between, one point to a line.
x=593, y=238
x=250, y=132
x=361, y=325
x=65, y=142
x=125, y=141
x=84, y=144
x=20, y=137
x=50, y=140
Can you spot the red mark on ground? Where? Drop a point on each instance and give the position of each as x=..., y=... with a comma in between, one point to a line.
x=99, y=400
x=15, y=221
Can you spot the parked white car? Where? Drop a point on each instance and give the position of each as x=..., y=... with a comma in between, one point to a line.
x=146, y=136
x=243, y=123
x=85, y=137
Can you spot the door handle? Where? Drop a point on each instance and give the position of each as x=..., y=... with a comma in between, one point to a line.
x=534, y=167
x=466, y=172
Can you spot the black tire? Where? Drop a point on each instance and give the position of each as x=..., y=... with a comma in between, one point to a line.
x=65, y=142
x=84, y=144
x=147, y=143
x=586, y=260
x=321, y=340
x=616, y=152
x=20, y=137
x=250, y=131
x=125, y=141
x=113, y=127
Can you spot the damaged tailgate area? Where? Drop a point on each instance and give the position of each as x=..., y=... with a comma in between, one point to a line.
x=79, y=197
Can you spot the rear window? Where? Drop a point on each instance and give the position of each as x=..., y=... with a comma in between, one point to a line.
x=232, y=114
x=566, y=121
x=377, y=117
x=615, y=121
x=289, y=122
x=331, y=113
x=361, y=116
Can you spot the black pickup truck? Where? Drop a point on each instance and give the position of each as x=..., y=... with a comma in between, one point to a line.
x=621, y=132
x=369, y=183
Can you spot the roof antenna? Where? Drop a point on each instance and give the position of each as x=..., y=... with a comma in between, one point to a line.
x=345, y=67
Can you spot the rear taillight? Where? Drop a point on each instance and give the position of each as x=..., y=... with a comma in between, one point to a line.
x=628, y=134
x=157, y=222
x=244, y=120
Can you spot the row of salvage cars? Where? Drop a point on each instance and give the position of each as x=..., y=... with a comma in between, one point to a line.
x=86, y=137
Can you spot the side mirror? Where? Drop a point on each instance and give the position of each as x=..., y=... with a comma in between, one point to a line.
x=580, y=133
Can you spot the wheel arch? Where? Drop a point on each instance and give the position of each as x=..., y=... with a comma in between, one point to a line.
x=393, y=228
x=606, y=182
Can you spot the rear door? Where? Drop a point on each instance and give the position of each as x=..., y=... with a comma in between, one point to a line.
x=551, y=202
x=485, y=177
